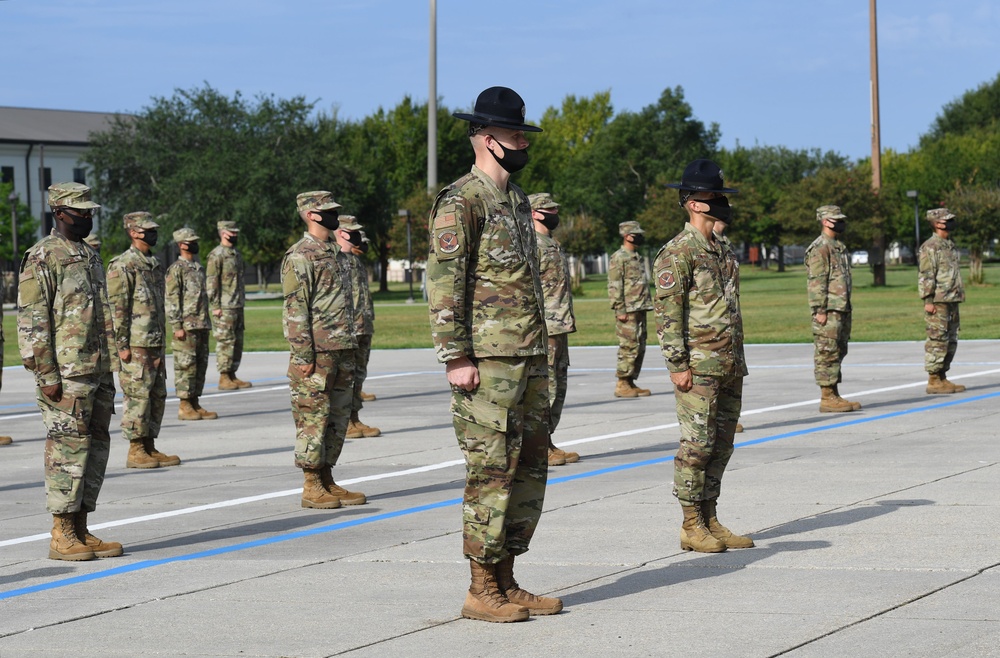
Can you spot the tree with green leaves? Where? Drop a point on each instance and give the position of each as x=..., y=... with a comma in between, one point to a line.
x=27, y=227
x=977, y=210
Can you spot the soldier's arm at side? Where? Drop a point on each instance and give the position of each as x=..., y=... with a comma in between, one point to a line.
x=927, y=281
x=35, y=327
x=297, y=286
x=616, y=286
x=213, y=283
x=450, y=225
x=121, y=289
x=670, y=304
x=818, y=279
x=173, y=300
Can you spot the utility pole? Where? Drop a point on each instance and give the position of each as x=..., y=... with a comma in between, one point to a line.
x=432, y=155
x=877, y=253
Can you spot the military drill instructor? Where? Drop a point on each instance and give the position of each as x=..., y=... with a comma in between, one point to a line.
x=628, y=288
x=136, y=291
x=699, y=326
x=828, y=287
x=941, y=289
x=318, y=323
x=349, y=239
x=553, y=271
x=66, y=340
x=186, y=304
x=226, y=298
x=487, y=323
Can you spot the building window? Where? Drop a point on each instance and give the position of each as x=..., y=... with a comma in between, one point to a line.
x=6, y=174
x=45, y=177
x=80, y=175
x=48, y=223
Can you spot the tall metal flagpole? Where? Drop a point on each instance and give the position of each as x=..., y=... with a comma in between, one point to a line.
x=432, y=156
x=876, y=130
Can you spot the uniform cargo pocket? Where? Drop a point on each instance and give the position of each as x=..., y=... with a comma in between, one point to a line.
x=483, y=432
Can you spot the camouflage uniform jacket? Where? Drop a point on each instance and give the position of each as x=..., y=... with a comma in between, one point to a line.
x=135, y=289
x=364, y=309
x=64, y=326
x=628, y=285
x=484, y=294
x=698, y=319
x=940, y=275
x=224, y=279
x=186, y=300
x=732, y=274
x=318, y=311
x=829, y=275
x=553, y=270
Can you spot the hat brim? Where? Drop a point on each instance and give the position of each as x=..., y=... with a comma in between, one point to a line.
x=489, y=121
x=943, y=219
x=329, y=205
x=80, y=205
x=692, y=188
x=351, y=227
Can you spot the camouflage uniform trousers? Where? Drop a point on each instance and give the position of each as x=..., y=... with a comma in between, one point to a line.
x=830, y=341
x=228, y=331
x=78, y=442
x=503, y=430
x=321, y=408
x=558, y=357
x=190, y=363
x=144, y=387
x=631, y=344
x=707, y=414
x=942, y=337
x=361, y=356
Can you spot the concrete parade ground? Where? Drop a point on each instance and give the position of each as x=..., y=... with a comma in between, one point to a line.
x=877, y=531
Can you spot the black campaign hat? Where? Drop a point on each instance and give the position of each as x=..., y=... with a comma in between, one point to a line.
x=499, y=106
x=702, y=176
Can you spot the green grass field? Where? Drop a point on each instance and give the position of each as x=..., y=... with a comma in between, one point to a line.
x=774, y=311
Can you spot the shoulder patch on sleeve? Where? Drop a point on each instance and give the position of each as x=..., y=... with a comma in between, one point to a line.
x=28, y=290
x=444, y=221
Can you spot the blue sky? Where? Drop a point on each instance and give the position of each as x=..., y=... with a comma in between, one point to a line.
x=788, y=72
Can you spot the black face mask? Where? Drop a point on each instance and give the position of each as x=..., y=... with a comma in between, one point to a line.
x=354, y=237
x=329, y=219
x=637, y=239
x=839, y=226
x=363, y=247
x=513, y=160
x=949, y=225
x=718, y=208
x=150, y=237
x=82, y=224
x=192, y=247
x=233, y=240
x=550, y=220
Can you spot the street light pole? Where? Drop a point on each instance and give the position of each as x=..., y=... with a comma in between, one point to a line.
x=409, y=252
x=13, y=198
x=914, y=194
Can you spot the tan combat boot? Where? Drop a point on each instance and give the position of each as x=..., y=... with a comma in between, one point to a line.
x=314, y=494
x=367, y=397
x=101, y=548
x=354, y=431
x=695, y=535
x=570, y=457
x=6, y=440
x=830, y=403
x=624, y=390
x=357, y=426
x=239, y=382
x=346, y=497
x=65, y=545
x=640, y=392
x=938, y=384
x=836, y=391
x=138, y=457
x=739, y=428
x=555, y=459
x=720, y=531
x=202, y=411
x=485, y=601
x=226, y=382
x=187, y=411
x=536, y=605
x=161, y=459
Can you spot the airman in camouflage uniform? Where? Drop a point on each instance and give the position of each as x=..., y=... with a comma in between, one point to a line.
x=186, y=304
x=700, y=329
x=829, y=290
x=487, y=322
x=226, y=299
x=941, y=288
x=4, y=440
x=628, y=288
x=553, y=269
x=135, y=289
x=64, y=335
x=732, y=269
x=319, y=327
x=94, y=241
x=349, y=239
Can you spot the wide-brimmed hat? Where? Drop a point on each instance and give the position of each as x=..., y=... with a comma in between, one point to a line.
x=702, y=176
x=499, y=106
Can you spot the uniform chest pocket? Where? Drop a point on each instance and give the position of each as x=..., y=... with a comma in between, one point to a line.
x=75, y=286
x=144, y=282
x=706, y=281
x=500, y=241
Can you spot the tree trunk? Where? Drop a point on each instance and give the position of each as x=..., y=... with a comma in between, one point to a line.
x=976, y=266
x=876, y=258
x=383, y=261
x=781, y=258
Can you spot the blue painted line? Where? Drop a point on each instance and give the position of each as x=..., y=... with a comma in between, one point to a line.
x=147, y=564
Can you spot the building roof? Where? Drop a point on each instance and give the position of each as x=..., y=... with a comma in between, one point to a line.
x=32, y=126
